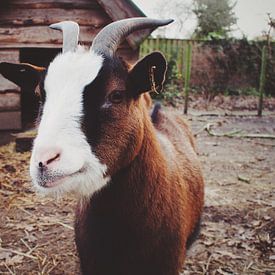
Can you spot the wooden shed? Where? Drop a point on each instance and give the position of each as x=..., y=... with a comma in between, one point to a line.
x=25, y=37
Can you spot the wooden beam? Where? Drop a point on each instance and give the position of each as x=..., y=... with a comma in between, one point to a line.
x=40, y=35
x=10, y=115
x=48, y=4
x=24, y=140
x=38, y=17
x=29, y=45
x=6, y=85
x=8, y=55
x=10, y=120
x=48, y=44
x=10, y=101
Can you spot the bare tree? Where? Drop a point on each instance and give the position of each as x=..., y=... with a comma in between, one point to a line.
x=179, y=10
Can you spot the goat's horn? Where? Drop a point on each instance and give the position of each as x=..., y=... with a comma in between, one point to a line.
x=109, y=38
x=70, y=31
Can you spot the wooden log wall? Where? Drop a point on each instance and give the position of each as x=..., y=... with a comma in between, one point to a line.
x=25, y=23
x=10, y=113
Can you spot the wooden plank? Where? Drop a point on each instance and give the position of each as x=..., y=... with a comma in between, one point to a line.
x=27, y=2
x=7, y=55
x=24, y=140
x=10, y=120
x=23, y=144
x=40, y=35
x=47, y=45
x=29, y=45
x=43, y=37
x=10, y=101
x=48, y=4
x=34, y=17
x=6, y=85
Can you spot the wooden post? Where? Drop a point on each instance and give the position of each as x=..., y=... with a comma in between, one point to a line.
x=262, y=79
x=188, y=61
x=157, y=43
x=180, y=58
x=168, y=49
x=151, y=45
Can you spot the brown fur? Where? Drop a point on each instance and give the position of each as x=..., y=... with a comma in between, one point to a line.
x=142, y=220
x=140, y=223
x=148, y=100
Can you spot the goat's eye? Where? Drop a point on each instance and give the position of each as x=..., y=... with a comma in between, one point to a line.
x=116, y=96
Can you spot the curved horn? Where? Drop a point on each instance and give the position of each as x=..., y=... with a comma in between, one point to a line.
x=109, y=38
x=70, y=31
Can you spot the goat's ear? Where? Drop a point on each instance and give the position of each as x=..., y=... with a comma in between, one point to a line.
x=148, y=74
x=24, y=75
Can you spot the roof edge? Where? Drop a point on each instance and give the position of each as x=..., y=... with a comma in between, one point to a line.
x=121, y=9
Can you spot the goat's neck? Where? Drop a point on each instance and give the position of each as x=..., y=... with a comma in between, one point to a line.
x=139, y=186
x=149, y=165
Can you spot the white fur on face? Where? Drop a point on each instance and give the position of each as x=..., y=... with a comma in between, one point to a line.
x=78, y=169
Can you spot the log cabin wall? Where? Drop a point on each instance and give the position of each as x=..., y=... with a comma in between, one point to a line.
x=24, y=24
x=10, y=99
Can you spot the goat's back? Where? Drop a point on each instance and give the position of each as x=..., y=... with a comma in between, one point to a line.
x=178, y=145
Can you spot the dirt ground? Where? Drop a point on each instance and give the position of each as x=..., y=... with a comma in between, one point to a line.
x=238, y=228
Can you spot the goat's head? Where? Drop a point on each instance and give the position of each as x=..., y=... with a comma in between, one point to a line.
x=92, y=108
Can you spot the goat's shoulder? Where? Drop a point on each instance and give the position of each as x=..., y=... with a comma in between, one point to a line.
x=173, y=128
x=177, y=144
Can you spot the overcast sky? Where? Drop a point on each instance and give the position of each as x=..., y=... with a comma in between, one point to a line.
x=251, y=14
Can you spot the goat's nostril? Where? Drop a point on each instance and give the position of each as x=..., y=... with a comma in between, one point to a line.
x=53, y=159
x=47, y=156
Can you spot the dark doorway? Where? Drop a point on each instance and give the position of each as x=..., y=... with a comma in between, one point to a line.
x=29, y=101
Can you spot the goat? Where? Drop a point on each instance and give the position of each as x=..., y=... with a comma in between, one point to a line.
x=138, y=177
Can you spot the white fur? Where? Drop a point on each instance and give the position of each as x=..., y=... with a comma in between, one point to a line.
x=60, y=127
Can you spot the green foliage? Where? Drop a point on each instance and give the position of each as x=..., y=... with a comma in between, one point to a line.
x=215, y=18
x=247, y=91
x=242, y=57
x=214, y=36
x=171, y=92
x=170, y=95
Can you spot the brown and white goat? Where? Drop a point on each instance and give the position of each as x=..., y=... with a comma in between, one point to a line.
x=138, y=177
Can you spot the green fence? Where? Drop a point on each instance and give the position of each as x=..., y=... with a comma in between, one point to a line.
x=219, y=66
x=178, y=56
x=173, y=49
